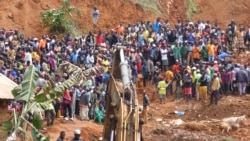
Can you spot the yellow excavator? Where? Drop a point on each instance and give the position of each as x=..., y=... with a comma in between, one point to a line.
x=122, y=122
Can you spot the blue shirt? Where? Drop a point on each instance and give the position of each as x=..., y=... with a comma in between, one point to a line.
x=156, y=27
x=78, y=94
x=223, y=55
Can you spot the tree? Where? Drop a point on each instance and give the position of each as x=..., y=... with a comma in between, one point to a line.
x=60, y=20
x=25, y=93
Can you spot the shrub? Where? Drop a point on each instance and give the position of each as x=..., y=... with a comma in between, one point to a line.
x=60, y=20
x=191, y=8
x=151, y=5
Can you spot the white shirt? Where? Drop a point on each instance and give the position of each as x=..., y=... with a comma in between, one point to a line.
x=90, y=59
x=201, y=26
x=164, y=55
x=28, y=57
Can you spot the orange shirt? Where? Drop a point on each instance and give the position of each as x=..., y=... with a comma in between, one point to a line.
x=120, y=30
x=169, y=75
x=210, y=49
x=42, y=44
x=196, y=53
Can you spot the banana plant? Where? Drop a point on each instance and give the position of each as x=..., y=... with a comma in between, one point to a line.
x=25, y=93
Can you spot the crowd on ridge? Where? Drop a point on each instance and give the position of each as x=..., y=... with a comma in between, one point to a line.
x=189, y=61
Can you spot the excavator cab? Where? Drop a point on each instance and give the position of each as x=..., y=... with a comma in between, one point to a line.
x=122, y=122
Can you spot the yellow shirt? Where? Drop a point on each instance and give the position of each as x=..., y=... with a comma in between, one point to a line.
x=145, y=34
x=162, y=85
x=105, y=65
x=210, y=49
x=215, y=85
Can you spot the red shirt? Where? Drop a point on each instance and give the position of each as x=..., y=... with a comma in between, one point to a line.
x=66, y=97
x=99, y=39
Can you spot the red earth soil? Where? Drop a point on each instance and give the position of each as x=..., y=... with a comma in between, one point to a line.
x=25, y=15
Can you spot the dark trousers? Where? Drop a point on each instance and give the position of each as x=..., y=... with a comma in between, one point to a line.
x=57, y=107
x=214, y=97
x=67, y=110
x=77, y=108
x=50, y=116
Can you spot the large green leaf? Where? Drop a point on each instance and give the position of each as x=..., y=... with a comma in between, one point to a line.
x=28, y=85
x=37, y=136
x=17, y=90
x=6, y=126
x=77, y=74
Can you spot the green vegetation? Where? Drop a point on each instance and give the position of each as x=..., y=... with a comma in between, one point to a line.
x=150, y=5
x=25, y=93
x=61, y=20
x=191, y=8
x=227, y=139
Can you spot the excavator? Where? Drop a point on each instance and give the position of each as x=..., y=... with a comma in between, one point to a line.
x=122, y=120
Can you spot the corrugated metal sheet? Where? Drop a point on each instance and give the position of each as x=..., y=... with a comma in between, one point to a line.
x=6, y=86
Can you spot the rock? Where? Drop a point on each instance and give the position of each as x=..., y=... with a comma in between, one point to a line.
x=19, y=5
x=158, y=120
x=36, y=1
x=166, y=125
x=193, y=125
x=199, y=115
x=11, y=16
x=44, y=6
x=177, y=122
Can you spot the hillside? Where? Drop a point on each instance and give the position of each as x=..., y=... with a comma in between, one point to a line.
x=25, y=14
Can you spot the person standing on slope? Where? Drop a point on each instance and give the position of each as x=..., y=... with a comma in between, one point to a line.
x=95, y=15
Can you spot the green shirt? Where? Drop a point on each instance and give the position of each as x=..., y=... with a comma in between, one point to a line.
x=183, y=51
x=177, y=52
x=204, y=53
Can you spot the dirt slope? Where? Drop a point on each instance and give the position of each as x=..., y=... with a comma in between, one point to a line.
x=223, y=11
x=25, y=14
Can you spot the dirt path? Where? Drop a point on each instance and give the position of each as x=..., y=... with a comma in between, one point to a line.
x=90, y=131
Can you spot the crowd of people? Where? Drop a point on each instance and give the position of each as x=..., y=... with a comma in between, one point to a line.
x=187, y=60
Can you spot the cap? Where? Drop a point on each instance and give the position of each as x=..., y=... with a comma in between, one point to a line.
x=193, y=68
x=77, y=131
x=161, y=77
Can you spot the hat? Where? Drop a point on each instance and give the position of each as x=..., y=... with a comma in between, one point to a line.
x=77, y=131
x=215, y=62
x=161, y=77
x=193, y=68
x=35, y=39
